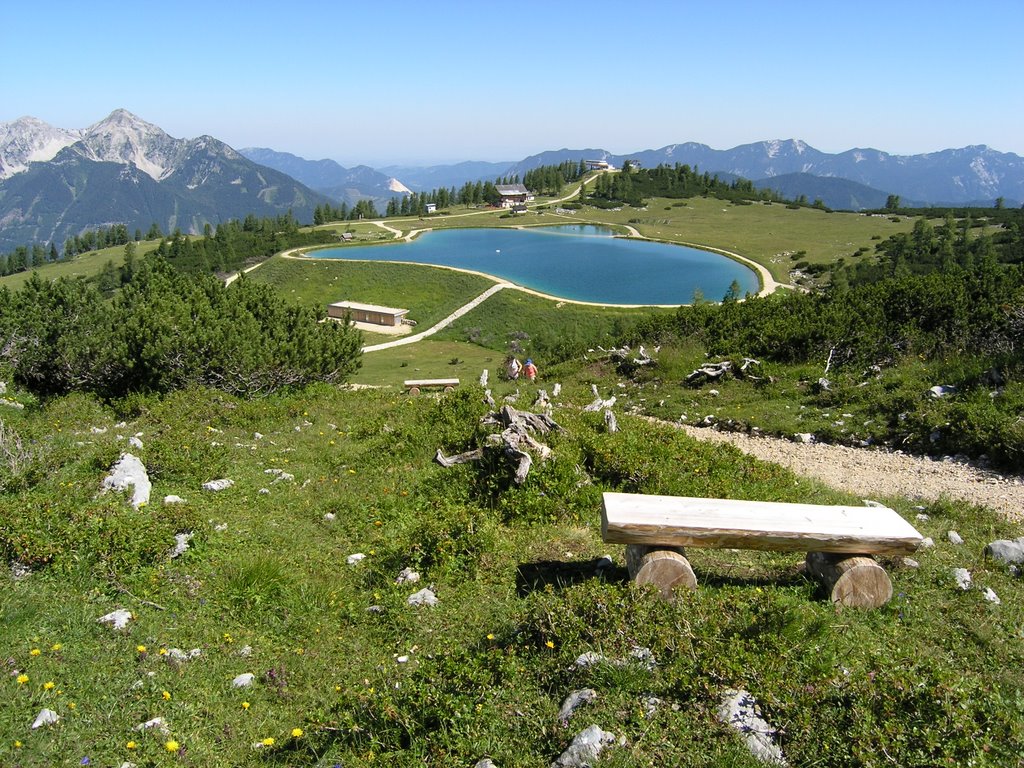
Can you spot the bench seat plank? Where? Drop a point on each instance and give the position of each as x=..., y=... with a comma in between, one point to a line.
x=629, y=518
x=432, y=382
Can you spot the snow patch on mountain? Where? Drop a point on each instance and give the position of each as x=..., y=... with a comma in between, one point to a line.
x=30, y=140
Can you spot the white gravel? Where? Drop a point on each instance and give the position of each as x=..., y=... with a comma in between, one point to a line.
x=875, y=473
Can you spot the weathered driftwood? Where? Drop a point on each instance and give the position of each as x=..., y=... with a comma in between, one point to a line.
x=514, y=440
x=459, y=458
x=718, y=371
x=665, y=567
x=855, y=581
x=610, y=422
x=599, y=402
x=624, y=354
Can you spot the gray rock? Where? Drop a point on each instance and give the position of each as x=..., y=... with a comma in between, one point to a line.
x=573, y=701
x=589, y=659
x=991, y=596
x=176, y=654
x=804, y=437
x=172, y=499
x=963, y=578
x=485, y=763
x=926, y=543
x=941, y=390
x=218, y=485
x=923, y=517
x=585, y=748
x=872, y=503
x=909, y=562
x=739, y=710
x=356, y=558
x=157, y=723
x=129, y=471
x=954, y=538
x=423, y=597
x=1007, y=550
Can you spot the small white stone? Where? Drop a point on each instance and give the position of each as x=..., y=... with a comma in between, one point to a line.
x=329, y=516
x=45, y=717
x=181, y=541
x=118, y=619
x=264, y=491
x=402, y=659
x=257, y=436
x=423, y=597
x=926, y=543
x=909, y=562
x=407, y=575
x=244, y=680
x=134, y=442
x=923, y=517
x=172, y=499
x=991, y=596
x=218, y=485
x=220, y=527
x=356, y=558
x=954, y=538
x=245, y=651
x=158, y=723
x=963, y=578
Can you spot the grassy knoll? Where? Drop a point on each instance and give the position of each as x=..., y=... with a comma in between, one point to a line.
x=427, y=359
x=346, y=672
x=429, y=293
x=85, y=265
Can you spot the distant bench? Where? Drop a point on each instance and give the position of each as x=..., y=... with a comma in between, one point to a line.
x=415, y=385
x=839, y=540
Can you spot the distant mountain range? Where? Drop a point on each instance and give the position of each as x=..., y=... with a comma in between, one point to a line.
x=971, y=175
x=347, y=185
x=55, y=183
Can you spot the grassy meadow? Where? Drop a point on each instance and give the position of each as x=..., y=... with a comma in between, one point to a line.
x=346, y=672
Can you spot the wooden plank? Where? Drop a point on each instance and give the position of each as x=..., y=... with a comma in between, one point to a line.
x=628, y=518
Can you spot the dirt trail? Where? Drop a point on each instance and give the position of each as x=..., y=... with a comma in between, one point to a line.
x=876, y=473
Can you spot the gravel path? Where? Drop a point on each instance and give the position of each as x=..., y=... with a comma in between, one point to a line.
x=876, y=473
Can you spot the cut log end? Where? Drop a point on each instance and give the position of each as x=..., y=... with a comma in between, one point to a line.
x=414, y=390
x=851, y=581
x=665, y=567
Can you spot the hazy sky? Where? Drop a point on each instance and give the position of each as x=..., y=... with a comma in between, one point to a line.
x=433, y=81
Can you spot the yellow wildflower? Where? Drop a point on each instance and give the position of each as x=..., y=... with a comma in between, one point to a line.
x=48, y=685
x=549, y=644
x=34, y=652
x=167, y=695
x=17, y=745
x=296, y=733
x=268, y=742
x=490, y=635
x=71, y=705
x=56, y=647
x=163, y=651
x=140, y=648
x=245, y=705
x=171, y=746
x=22, y=679
x=131, y=745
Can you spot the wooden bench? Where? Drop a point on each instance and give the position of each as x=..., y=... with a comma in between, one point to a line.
x=839, y=540
x=415, y=385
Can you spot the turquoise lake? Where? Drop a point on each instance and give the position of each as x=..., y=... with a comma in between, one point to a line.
x=579, y=262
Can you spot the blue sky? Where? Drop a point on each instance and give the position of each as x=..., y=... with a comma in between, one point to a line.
x=426, y=82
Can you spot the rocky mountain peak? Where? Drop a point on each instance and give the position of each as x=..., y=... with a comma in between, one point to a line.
x=124, y=138
x=30, y=140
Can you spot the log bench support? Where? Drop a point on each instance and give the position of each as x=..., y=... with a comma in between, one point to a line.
x=839, y=541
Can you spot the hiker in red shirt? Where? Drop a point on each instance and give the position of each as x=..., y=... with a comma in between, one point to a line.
x=530, y=370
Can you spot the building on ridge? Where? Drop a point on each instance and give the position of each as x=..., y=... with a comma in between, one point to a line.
x=513, y=194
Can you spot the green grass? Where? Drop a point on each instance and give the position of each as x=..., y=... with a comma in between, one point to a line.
x=85, y=265
x=932, y=678
x=429, y=293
